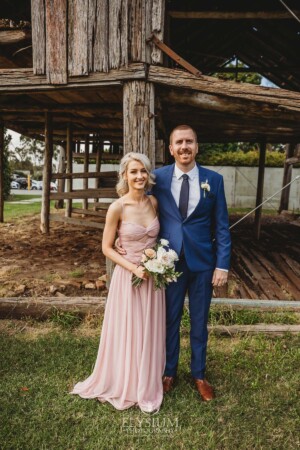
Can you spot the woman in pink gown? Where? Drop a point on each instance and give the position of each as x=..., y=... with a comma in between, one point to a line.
x=131, y=356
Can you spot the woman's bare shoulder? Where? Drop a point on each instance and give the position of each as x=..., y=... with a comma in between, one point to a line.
x=153, y=201
x=115, y=208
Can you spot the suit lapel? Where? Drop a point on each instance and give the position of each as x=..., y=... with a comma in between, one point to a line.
x=168, y=181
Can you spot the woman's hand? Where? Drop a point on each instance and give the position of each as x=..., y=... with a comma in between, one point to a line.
x=119, y=247
x=140, y=273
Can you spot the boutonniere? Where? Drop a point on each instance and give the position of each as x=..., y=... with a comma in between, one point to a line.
x=205, y=187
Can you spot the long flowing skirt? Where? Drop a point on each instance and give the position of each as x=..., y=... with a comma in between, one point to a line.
x=131, y=356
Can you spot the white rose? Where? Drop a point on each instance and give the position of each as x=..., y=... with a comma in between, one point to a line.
x=154, y=266
x=160, y=253
x=167, y=261
x=173, y=255
x=164, y=242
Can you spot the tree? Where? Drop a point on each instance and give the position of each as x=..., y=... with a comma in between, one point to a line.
x=29, y=154
x=7, y=172
x=242, y=77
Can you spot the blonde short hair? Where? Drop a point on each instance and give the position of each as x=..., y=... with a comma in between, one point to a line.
x=122, y=186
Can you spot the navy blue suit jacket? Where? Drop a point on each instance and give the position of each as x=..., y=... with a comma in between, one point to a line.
x=204, y=234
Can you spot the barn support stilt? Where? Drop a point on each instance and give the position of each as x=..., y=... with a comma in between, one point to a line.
x=47, y=173
x=260, y=188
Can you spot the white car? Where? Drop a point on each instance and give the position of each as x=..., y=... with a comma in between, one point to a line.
x=14, y=185
x=36, y=185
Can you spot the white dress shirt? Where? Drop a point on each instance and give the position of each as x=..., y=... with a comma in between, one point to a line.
x=194, y=191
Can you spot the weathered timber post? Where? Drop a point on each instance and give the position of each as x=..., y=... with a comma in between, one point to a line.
x=97, y=148
x=59, y=204
x=290, y=150
x=260, y=188
x=138, y=113
x=47, y=172
x=69, y=183
x=139, y=128
x=1, y=172
x=86, y=168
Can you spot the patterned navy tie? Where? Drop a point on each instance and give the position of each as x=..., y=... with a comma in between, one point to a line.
x=184, y=196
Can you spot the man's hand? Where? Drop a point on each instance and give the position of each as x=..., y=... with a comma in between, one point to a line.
x=219, y=278
x=119, y=247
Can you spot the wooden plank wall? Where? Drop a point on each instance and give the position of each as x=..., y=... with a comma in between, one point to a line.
x=38, y=36
x=77, y=37
x=56, y=41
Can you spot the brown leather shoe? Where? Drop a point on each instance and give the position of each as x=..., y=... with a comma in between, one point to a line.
x=167, y=383
x=205, y=390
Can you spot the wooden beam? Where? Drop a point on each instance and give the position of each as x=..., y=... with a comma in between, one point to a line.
x=88, y=193
x=24, y=80
x=139, y=126
x=178, y=59
x=104, y=156
x=85, y=175
x=1, y=173
x=227, y=89
x=8, y=37
x=260, y=188
x=45, y=211
x=18, y=307
x=228, y=105
x=90, y=212
x=110, y=111
x=78, y=121
x=69, y=184
x=232, y=15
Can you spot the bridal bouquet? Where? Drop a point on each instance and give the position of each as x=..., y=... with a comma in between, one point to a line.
x=159, y=263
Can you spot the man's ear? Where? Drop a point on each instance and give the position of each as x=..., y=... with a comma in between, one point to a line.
x=171, y=150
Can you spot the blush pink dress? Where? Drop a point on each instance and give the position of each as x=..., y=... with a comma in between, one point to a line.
x=131, y=356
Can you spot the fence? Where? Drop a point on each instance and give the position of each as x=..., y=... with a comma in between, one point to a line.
x=240, y=185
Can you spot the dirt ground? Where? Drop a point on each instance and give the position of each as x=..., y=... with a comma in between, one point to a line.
x=69, y=262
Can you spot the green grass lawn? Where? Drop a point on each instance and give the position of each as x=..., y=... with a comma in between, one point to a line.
x=21, y=197
x=256, y=380
x=17, y=210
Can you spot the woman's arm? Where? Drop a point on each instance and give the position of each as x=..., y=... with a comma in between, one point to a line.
x=154, y=202
x=109, y=233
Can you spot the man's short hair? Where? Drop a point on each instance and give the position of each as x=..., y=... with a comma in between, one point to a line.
x=183, y=127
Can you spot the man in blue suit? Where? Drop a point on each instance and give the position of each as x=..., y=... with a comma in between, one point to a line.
x=193, y=218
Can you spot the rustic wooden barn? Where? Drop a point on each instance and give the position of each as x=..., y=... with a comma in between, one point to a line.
x=128, y=71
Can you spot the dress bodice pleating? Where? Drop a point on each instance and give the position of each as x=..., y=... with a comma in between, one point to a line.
x=135, y=238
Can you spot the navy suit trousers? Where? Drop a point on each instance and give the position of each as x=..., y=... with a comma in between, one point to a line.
x=198, y=285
